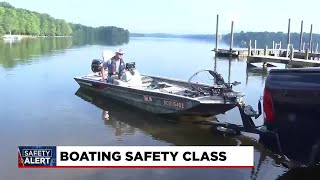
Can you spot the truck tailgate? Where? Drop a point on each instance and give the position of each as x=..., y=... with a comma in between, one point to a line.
x=295, y=95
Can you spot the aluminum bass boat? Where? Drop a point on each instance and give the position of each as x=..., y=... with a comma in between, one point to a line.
x=166, y=96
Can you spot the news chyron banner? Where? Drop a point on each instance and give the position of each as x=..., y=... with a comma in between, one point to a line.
x=135, y=156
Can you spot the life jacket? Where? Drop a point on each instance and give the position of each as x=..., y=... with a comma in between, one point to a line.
x=112, y=67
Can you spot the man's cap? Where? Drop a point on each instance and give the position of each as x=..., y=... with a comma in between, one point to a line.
x=120, y=51
x=107, y=54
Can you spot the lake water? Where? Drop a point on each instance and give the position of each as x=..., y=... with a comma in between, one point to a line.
x=41, y=105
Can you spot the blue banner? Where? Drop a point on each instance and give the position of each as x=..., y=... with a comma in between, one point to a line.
x=37, y=156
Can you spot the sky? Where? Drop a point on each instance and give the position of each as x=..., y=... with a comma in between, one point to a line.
x=182, y=16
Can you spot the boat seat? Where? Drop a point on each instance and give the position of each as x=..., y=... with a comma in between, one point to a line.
x=120, y=83
x=129, y=79
x=127, y=84
x=174, y=89
x=146, y=79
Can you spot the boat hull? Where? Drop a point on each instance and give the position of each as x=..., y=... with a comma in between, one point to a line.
x=158, y=103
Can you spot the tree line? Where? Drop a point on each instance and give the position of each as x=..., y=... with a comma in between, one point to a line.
x=24, y=22
x=109, y=35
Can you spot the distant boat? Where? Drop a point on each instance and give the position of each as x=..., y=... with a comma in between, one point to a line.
x=12, y=38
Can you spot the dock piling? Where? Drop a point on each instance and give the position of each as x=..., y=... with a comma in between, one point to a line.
x=231, y=38
x=249, y=50
x=273, y=48
x=291, y=53
x=255, y=47
x=312, y=49
x=288, y=40
x=306, y=55
x=266, y=51
x=280, y=44
x=301, y=36
x=310, y=39
x=217, y=28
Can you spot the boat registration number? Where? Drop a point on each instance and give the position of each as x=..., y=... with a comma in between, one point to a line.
x=147, y=98
x=172, y=103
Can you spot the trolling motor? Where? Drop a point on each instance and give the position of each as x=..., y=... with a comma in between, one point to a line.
x=218, y=79
x=219, y=86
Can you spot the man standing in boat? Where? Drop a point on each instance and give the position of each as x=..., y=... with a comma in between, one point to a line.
x=115, y=66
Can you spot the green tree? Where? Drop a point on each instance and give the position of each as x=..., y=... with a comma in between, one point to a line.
x=65, y=28
x=58, y=27
x=52, y=27
x=22, y=21
x=2, y=11
x=22, y=18
x=10, y=21
x=33, y=25
x=44, y=24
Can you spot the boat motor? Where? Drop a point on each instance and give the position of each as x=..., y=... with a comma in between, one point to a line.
x=96, y=65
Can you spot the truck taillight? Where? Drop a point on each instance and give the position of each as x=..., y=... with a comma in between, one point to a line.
x=267, y=105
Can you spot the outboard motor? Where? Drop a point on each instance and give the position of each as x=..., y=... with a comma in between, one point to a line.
x=96, y=65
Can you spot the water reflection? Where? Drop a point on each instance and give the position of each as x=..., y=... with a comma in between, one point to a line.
x=11, y=41
x=229, y=59
x=122, y=118
x=258, y=72
x=23, y=52
x=251, y=70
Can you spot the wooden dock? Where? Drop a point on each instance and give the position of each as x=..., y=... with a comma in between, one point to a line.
x=244, y=52
x=302, y=55
x=289, y=59
x=283, y=60
x=235, y=53
x=276, y=51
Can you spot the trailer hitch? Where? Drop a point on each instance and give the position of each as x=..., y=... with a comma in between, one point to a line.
x=247, y=114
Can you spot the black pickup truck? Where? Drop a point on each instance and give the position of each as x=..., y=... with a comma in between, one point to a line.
x=291, y=109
